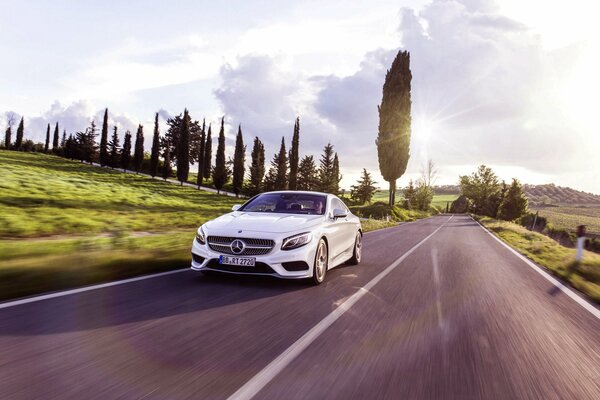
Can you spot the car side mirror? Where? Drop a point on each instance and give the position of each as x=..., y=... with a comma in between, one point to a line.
x=236, y=207
x=339, y=213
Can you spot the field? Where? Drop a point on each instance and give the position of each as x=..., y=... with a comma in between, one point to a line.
x=439, y=200
x=569, y=217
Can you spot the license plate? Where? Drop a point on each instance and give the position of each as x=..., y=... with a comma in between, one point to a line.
x=240, y=261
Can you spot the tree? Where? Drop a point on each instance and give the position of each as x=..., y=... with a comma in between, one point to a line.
x=337, y=177
x=221, y=172
x=201, y=151
x=55, y=146
x=47, y=145
x=239, y=162
x=257, y=168
x=483, y=190
x=183, y=149
x=126, y=151
x=86, y=143
x=307, y=174
x=269, y=181
x=155, y=148
x=429, y=173
x=410, y=195
x=293, y=179
x=70, y=148
x=166, y=172
x=104, y=140
x=393, y=139
x=207, y=169
x=364, y=190
x=19, y=139
x=63, y=141
x=423, y=196
x=113, y=150
x=8, y=132
x=173, y=137
x=514, y=204
x=138, y=152
x=280, y=165
x=327, y=180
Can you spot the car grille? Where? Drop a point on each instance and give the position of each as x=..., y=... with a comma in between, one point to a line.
x=252, y=247
x=259, y=268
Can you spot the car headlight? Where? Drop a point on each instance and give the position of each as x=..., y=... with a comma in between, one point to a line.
x=200, y=236
x=293, y=242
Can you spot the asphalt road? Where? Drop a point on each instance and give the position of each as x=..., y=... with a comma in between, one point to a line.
x=459, y=316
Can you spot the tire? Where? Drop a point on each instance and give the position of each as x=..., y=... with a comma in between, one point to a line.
x=321, y=263
x=357, y=254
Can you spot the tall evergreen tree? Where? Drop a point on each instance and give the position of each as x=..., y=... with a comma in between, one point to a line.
x=104, y=140
x=201, y=151
x=166, y=172
x=126, y=151
x=393, y=140
x=280, y=167
x=173, y=137
x=337, y=177
x=47, y=145
x=55, y=145
x=155, y=148
x=364, y=190
x=326, y=170
x=20, y=132
x=7, y=136
x=70, y=148
x=86, y=143
x=410, y=195
x=183, y=149
x=239, y=163
x=63, y=141
x=269, y=181
x=138, y=153
x=514, y=204
x=307, y=174
x=294, y=156
x=257, y=168
x=113, y=150
x=220, y=173
x=207, y=169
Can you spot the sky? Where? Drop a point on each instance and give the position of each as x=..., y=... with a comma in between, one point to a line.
x=510, y=84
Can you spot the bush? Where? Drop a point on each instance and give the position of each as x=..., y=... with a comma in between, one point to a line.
x=460, y=205
x=562, y=236
x=527, y=222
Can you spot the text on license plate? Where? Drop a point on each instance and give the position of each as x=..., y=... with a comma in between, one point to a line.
x=241, y=261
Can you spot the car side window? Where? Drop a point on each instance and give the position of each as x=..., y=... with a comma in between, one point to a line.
x=337, y=203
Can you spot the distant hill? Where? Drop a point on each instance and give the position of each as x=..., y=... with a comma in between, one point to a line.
x=551, y=194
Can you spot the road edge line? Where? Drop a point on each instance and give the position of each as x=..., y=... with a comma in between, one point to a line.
x=565, y=289
x=34, y=299
x=271, y=370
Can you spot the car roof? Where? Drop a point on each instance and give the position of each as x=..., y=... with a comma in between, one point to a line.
x=299, y=192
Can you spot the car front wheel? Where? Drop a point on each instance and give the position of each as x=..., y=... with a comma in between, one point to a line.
x=356, y=256
x=321, y=263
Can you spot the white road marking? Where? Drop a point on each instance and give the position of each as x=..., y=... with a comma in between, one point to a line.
x=566, y=290
x=86, y=289
x=266, y=375
x=436, y=281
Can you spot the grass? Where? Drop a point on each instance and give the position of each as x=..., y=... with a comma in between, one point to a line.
x=558, y=259
x=439, y=200
x=569, y=217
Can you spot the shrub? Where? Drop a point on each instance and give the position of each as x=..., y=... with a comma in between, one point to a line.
x=460, y=205
x=527, y=222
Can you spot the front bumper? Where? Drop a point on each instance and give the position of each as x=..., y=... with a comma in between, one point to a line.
x=273, y=264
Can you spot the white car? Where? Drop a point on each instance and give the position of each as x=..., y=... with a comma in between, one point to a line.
x=288, y=234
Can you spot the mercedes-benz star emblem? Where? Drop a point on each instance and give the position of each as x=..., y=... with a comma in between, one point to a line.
x=237, y=246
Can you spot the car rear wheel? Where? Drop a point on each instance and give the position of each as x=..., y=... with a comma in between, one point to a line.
x=356, y=256
x=321, y=263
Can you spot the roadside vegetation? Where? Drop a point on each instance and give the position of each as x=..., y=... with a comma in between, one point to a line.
x=545, y=251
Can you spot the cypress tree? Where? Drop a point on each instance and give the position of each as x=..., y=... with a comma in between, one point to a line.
x=280, y=165
x=220, y=173
x=155, y=148
x=47, y=145
x=166, y=172
x=307, y=174
x=293, y=185
x=69, y=150
x=126, y=151
x=55, y=139
x=393, y=139
x=239, y=161
x=201, y=151
x=257, y=168
x=138, y=153
x=207, y=169
x=113, y=150
x=104, y=140
x=63, y=141
x=337, y=177
x=7, y=137
x=20, y=131
x=183, y=149
x=326, y=170
x=86, y=143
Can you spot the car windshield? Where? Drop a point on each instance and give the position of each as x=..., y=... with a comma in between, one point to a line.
x=288, y=203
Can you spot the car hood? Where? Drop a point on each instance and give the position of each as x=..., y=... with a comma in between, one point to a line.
x=262, y=222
